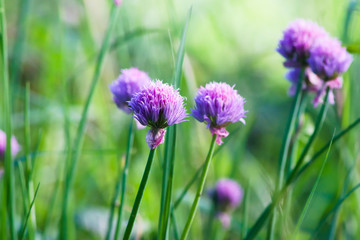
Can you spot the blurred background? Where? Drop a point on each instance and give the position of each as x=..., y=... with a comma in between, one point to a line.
x=54, y=44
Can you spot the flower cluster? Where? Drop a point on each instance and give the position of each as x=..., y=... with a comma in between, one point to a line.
x=218, y=104
x=307, y=46
x=226, y=196
x=158, y=105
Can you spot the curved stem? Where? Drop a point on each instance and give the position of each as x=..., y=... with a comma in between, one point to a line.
x=139, y=195
x=199, y=190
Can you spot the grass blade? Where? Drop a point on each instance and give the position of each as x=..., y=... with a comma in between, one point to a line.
x=245, y=210
x=308, y=201
x=22, y=234
x=124, y=179
x=9, y=168
x=81, y=129
x=284, y=152
x=334, y=209
x=29, y=165
x=278, y=195
x=19, y=45
x=323, y=149
x=169, y=160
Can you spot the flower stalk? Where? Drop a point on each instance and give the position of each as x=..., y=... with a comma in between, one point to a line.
x=200, y=189
x=139, y=195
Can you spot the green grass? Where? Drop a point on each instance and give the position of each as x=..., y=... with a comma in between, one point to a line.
x=57, y=60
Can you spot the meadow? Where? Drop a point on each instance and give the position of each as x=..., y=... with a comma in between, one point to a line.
x=80, y=164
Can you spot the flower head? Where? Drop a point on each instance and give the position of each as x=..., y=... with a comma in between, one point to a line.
x=218, y=104
x=158, y=105
x=15, y=147
x=226, y=195
x=129, y=82
x=297, y=40
x=328, y=59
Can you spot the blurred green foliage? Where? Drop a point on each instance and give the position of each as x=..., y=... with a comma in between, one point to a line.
x=231, y=41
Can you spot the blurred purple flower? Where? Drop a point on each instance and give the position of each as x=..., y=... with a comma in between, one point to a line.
x=314, y=84
x=297, y=40
x=328, y=59
x=117, y=2
x=158, y=105
x=226, y=196
x=218, y=104
x=129, y=82
x=15, y=147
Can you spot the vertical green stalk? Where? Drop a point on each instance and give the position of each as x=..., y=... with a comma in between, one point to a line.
x=29, y=167
x=285, y=145
x=165, y=176
x=167, y=204
x=312, y=193
x=123, y=182
x=70, y=172
x=139, y=195
x=278, y=195
x=245, y=210
x=199, y=190
x=169, y=159
x=9, y=168
x=19, y=45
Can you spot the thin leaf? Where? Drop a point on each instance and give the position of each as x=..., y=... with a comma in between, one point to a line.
x=308, y=201
x=9, y=190
x=139, y=195
x=169, y=160
x=332, y=210
x=123, y=180
x=28, y=214
x=70, y=171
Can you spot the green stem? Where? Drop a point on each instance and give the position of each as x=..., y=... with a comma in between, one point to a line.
x=318, y=125
x=167, y=204
x=278, y=195
x=173, y=221
x=199, y=190
x=18, y=47
x=285, y=146
x=312, y=193
x=29, y=165
x=22, y=234
x=124, y=179
x=9, y=168
x=165, y=176
x=139, y=195
x=81, y=129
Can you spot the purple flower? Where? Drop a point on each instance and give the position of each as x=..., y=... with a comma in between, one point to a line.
x=129, y=82
x=218, y=104
x=158, y=105
x=312, y=83
x=328, y=59
x=117, y=2
x=226, y=195
x=15, y=147
x=297, y=41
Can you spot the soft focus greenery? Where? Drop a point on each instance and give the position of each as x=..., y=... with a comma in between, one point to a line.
x=53, y=45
